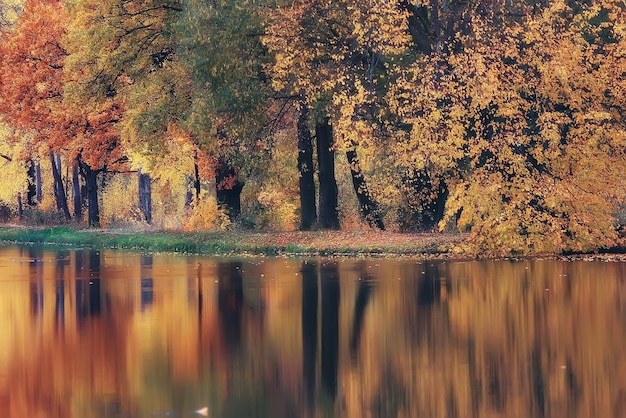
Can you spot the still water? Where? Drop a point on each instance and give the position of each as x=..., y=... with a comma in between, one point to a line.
x=109, y=334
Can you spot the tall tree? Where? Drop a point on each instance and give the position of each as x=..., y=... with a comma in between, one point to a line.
x=33, y=90
x=32, y=56
x=219, y=44
x=193, y=66
x=335, y=55
x=526, y=122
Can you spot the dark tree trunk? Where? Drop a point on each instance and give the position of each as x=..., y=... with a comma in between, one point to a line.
x=20, y=208
x=145, y=196
x=59, y=190
x=196, y=180
x=59, y=166
x=38, y=182
x=78, y=201
x=91, y=186
x=31, y=194
x=369, y=208
x=308, y=210
x=58, y=183
x=228, y=189
x=328, y=214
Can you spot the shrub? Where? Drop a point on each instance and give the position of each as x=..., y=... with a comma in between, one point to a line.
x=205, y=215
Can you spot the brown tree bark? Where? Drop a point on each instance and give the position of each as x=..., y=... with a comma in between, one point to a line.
x=59, y=190
x=369, y=207
x=91, y=187
x=76, y=194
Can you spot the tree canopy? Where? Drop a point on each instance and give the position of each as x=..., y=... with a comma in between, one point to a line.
x=526, y=122
x=503, y=120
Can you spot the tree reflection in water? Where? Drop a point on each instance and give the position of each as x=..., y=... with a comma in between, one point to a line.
x=90, y=334
x=309, y=330
x=330, y=295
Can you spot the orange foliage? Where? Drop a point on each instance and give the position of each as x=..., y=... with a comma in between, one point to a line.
x=32, y=87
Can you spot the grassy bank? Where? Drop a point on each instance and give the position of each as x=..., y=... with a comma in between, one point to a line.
x=325, y=243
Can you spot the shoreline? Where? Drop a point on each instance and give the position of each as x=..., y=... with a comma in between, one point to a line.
x=348, y=244
x=244, y=243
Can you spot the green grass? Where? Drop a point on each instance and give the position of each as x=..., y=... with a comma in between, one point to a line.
x=323, y=243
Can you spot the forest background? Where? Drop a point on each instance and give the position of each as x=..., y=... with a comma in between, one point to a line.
x=499, y=118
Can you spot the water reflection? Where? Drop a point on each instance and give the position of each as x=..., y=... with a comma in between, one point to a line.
x=330, y=295
x=107, y=334
x=309, y=330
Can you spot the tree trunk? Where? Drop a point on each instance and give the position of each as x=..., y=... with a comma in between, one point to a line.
x=57, y=163
x=38, y=182
x=91, y=186
x=228, y=189
x=328, y=214
x=369, y=208
x=308, y=210
x=76, y=195
x=20, y=208
x=196, y=180
x=145, y=196
x=31, y=194
x=59, y=190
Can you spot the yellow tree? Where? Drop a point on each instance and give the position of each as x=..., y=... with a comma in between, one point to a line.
x=527, y=124
x=9, y=11
x=332, y=56
x=14, y=158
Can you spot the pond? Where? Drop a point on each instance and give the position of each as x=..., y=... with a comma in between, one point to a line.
x=112, y=334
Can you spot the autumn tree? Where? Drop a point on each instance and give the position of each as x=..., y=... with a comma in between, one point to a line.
x=29, y=79
x=231, y=108
x=15, y=169
x=33, y=91
x=122, y=52
x=193, y=66
x=526, y=124
x=125, y=49
x=336, y=56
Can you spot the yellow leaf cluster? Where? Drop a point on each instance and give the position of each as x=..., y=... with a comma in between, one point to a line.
x=525, y=125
